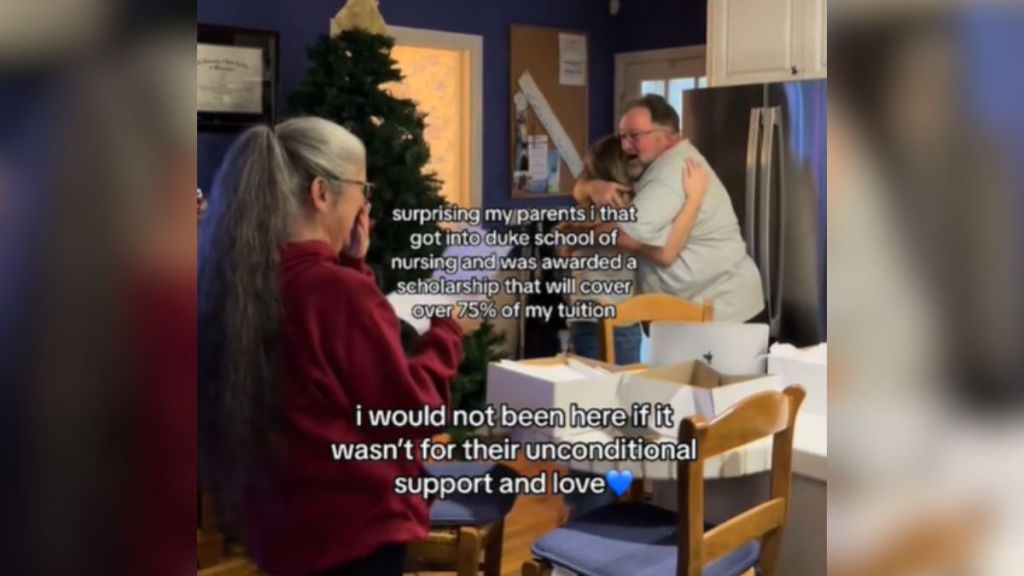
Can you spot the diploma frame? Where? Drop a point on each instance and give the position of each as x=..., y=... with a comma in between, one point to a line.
x=232, y=37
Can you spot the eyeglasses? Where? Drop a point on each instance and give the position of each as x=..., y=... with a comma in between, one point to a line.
x=367, y=187
x=634, y=136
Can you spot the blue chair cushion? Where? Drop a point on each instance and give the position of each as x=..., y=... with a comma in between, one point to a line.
x=471, y=509
x=630, y=539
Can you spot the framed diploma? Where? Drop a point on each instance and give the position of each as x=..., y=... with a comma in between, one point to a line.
x=236, y=77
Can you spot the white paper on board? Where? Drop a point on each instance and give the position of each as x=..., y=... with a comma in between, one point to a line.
x=551, y=124
x=538, y=153
x=572, y=59
x=520, y=101
x=554, y=172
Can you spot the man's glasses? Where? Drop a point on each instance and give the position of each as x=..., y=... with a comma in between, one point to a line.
x=635, y=136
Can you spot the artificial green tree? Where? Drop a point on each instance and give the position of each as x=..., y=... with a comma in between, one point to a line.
x=469, y=390
x=343, y=84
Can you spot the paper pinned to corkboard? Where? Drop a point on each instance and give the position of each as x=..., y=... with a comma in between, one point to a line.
x=572, y=59
x=553, y=108
x=551, y=124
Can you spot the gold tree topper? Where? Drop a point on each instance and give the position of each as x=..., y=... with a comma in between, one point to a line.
x=362, y=14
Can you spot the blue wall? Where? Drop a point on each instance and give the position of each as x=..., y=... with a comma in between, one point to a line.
x=656, y=24
x=641, y=25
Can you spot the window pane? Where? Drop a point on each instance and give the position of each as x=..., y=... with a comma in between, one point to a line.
x=652, y=87
x=675, y=92
x=434, y=80
x=680, y=84
x=703, y=82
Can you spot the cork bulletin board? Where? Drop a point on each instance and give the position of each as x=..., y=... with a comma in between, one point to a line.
x=555, y=61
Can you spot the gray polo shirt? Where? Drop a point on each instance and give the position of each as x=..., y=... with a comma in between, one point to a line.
x=714, y=264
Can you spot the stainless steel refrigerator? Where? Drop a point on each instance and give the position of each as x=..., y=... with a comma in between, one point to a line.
x=767, y=143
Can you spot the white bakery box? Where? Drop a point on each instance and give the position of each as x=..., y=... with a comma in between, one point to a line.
x=559, y=382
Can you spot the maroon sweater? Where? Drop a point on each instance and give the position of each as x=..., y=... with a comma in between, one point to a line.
x=341, y=347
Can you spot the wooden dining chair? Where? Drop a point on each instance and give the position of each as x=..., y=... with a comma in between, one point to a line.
x=652, y=308
x=236, y=566
x=635, y=538
x=209, y=540
x=464, y=526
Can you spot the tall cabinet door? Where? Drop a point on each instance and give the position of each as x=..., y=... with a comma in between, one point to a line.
x=814, y=20
x=754, y=41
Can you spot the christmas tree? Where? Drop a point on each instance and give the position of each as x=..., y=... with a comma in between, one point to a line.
x=344, y=84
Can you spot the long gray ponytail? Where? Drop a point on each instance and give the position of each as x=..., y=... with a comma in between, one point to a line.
x=260, y=190
x=247, y=219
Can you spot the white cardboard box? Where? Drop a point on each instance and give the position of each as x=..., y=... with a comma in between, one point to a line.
x=712, y=393
x=557, y=382
x=550, y=383
x=807, y=367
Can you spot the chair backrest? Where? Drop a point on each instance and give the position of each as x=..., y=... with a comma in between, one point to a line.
x=759, y=416
x=209, y=540
x=652, y=308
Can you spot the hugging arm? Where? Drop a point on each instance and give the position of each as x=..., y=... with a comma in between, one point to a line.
x=695, y=182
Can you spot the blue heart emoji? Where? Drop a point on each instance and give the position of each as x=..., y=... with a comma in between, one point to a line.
x=618, y=481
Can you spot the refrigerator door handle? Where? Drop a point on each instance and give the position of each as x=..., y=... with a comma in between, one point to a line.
x=753, y=140
x=775, y=310
x=764, y=249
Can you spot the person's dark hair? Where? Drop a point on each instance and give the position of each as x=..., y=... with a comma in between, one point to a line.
x=662, y=113
x=258, y=193
x=604, y=160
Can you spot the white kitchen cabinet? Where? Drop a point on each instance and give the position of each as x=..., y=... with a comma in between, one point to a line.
x=759, y=41
x=816, y=46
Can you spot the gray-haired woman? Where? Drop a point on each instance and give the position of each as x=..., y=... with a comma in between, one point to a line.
x=293, y=338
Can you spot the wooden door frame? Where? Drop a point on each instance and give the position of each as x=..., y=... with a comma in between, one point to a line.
x=473, y=45
x=624, y=59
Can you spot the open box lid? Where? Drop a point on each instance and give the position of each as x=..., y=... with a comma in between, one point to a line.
x=567, y=367
x=690, y=388
x=696, y=373
x=640, y=388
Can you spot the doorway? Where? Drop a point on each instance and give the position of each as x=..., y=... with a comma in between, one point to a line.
x=444, y=76
x=667, y=73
